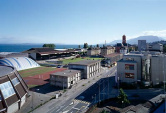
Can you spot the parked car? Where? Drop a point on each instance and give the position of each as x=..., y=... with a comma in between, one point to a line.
x=59, y=66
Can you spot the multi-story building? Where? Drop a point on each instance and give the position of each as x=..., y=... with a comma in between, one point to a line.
x=106, y=50
x=65, y=79
x=143, y=67
x=156, y=47
x=128, y=68
x=88, y=68
x=142, y=46
x=93, y=51
x=158, y=69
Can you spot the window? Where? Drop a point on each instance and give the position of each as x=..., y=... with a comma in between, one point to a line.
x=129, y=75
x=15, y=81
x=7, y=89
x=19, y=77
x=129, y=66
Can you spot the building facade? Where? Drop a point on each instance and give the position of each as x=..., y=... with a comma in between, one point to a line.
x=65, y=79
x=13, y=90
x=106, y=50
x=88, y=68
x=145, y=67
x=156, y=47
x=93, y=51
x=158, y=69
x=142, y=46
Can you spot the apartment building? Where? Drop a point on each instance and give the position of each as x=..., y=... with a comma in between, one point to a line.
x=65, y=79
x=143, y=67
x=88, y=68
x=93, y=51
x=106, y=50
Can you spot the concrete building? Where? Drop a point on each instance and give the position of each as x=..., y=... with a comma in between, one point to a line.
x=127, y=71
x=123, y=50
x=129, y=68
x=158, y=69
x=145, y=67
x=65, y=79
x=142, y=46
x=13, y=90
x=93, y=51
x=88, y=67
x=106, y=50
x=156, y=47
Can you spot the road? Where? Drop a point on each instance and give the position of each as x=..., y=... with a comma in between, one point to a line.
x=84, y=94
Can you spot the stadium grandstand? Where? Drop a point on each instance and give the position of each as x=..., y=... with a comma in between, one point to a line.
x=13, y=90
x=20, y=63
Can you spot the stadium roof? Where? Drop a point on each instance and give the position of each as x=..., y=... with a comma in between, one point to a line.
x=20, y=63
x=5, y=70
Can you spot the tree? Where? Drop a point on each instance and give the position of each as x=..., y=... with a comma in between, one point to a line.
x=97, y=45
x=49, y=45
x=85, y=45
x=122, y=98
x=79, y=46
x=164, y=48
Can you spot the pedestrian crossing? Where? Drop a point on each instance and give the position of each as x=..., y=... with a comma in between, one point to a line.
x=81, y=101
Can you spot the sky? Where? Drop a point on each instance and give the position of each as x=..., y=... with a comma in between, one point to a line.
x=80, y=21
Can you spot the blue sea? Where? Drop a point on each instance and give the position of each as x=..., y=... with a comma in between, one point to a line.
x=24, y=47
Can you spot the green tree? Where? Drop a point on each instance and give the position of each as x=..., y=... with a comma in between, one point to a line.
x=122, y=98
x=164, y=48
x=79, y=46
x=85, y=45
x=97, y=45
x=49, y=45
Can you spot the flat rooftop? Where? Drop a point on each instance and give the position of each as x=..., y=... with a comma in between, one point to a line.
x=5, y=70
x=129, y=61
x=112, y=55
x=85, y=62
x=68, y=72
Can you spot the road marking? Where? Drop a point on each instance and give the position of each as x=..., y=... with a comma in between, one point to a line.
x=76, y=108
x=80, y=108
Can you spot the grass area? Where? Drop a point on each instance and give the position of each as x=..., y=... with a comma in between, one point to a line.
x=67, y=61
x=31, y=86
x=35, y=71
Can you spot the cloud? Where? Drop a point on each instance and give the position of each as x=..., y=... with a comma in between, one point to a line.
x=161, y=33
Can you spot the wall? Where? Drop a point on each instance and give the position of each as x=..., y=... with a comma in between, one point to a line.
x=138, y=59
x=158, y=69
x=122, y=71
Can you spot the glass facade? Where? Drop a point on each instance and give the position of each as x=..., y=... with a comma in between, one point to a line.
x=129, y=67
x=129, y=75
x=7, y=89
x=15, y=81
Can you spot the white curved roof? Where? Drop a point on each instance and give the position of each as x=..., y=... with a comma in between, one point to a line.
x=20, y=63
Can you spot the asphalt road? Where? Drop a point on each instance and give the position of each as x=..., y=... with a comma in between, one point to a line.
x=78, y=98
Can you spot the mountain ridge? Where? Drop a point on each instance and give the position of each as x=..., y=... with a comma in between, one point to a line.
x=149, y=39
